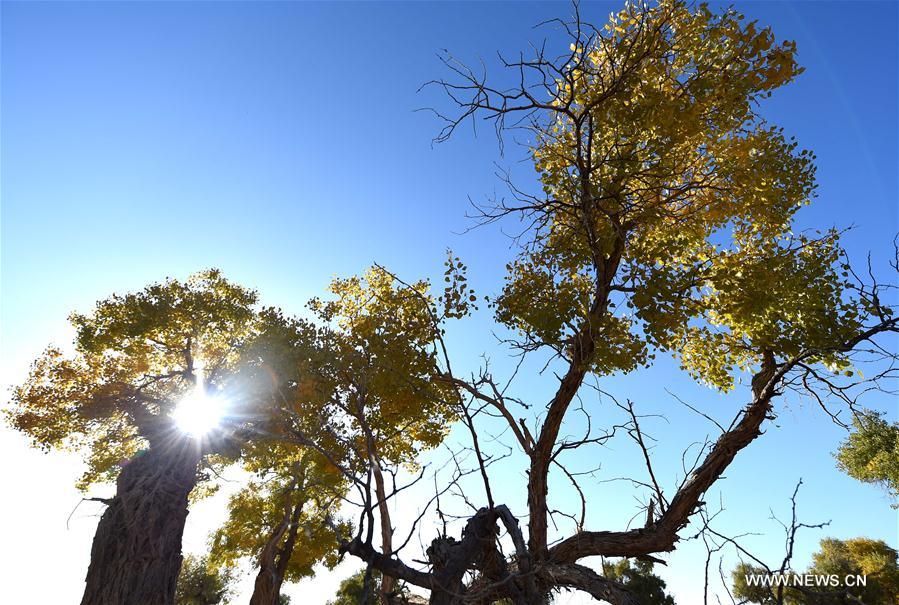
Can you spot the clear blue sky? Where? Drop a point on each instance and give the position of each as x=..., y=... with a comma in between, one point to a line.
x=279, y=142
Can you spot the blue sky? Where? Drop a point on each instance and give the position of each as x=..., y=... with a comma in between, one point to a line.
x=279, y=142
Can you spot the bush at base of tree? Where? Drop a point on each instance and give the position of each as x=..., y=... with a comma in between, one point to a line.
x=199, y=584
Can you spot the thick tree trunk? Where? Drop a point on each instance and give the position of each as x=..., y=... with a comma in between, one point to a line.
x=136, y=553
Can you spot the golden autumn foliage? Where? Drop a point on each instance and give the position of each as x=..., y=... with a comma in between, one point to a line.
x=284, y=478
x=871, y=451
x=654, y=160
x=382, y=342
x=136, y=355
x=663, y=225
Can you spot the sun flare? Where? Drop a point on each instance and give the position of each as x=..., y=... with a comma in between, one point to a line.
x=199, y=412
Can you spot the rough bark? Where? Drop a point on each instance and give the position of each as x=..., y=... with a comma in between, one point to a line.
x=136, y=553
x=388, y=583
x=586, y=580
x=450, y=559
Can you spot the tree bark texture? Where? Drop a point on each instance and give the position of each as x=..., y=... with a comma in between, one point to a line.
x=136, y=552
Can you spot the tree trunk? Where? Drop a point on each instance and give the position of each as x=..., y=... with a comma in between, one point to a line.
x=136, y=553
x=267, y=589
x=388, y=583
x=273, y=561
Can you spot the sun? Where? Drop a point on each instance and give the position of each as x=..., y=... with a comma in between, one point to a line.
x=199, y=412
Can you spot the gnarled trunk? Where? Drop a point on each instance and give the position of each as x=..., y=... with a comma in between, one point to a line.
x=136, y=553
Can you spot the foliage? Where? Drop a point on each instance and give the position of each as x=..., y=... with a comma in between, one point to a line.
x=200, y=584
x=871, y=452
x=662, y=223
x=286, y=478
x=382, y=343
x=136, y=355
x=352, y=589
x=839, y=558
x=662, y=181
x=285, y=508
x=637, y=577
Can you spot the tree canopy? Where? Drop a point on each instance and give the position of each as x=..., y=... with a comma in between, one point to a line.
x=839, y=559
x=287, y=507
x=136, y=356
x=871, y=451
x=665, y=223
x=639, y=579
x=352, y=589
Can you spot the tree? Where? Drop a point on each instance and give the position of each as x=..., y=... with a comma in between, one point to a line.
x=637, y=577
x=374, y=401
x=860, y=556
x=199, y=584
x=116, y=399
x=838, y=559
x=352, y=590
x=871, y=452
x=662, y=226
x=282, y=519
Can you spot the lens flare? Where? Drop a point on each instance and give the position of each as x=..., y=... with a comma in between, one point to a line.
x=199, y=412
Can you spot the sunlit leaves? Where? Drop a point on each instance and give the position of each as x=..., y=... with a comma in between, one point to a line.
x=286, y=478
x=669, y=204
x=871, y=452
x=135, y=356
x=384, y=359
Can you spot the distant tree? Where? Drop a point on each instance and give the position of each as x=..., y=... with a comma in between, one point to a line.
x=283, y=599
x=116, y=399
x=749, y=591
x=860, y=556
x=374, y=391
x=352, y=590
x=871, y=452
x=637, y=577
x=200, y=584
x=839, y=558
x=282, y=520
